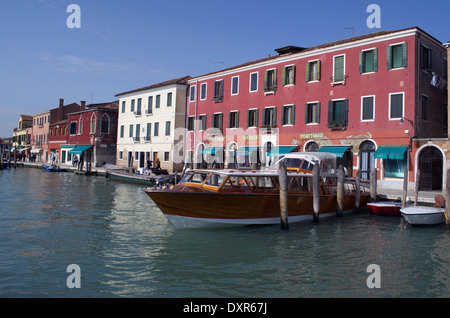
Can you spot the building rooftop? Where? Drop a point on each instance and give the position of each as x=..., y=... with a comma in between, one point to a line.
x=181, y=80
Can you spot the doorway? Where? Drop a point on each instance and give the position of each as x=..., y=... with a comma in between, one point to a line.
x=431, y=169
x=367, y=159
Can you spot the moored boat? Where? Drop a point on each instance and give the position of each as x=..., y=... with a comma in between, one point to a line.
x=208, y=198
x=423, y=215
x=385, y=207
x=53, y=168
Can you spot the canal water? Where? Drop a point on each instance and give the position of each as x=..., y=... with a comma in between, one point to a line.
x=124, y=247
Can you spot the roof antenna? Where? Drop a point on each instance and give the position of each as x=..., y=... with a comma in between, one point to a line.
x=353, y=30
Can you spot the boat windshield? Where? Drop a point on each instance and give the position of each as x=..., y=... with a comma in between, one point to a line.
x=215, y=179
x=194, y=178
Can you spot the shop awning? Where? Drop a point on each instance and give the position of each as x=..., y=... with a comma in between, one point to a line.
x=337, y=150
x=211, y=150
x=78, y=150
x=390, y=152
x=280, y=150
x=67, y=146
x=245, y=151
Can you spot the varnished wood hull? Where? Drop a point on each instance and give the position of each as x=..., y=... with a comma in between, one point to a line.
x=198, y=209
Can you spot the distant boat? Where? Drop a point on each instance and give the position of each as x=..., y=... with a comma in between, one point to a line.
x=53, y=168
x=148, y=178
x=385, y=207
x=232, y=197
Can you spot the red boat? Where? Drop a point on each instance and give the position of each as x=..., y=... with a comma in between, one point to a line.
x=385, y=207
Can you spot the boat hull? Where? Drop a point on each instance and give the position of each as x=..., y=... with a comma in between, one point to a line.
x=210, y=209
x=385, y=208
x=423, y=215
x=135, y=179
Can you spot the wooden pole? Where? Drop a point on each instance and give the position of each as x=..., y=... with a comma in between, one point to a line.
x=316, y=193
x=405, y=187
x=447, y=198
x=340, y=192
x=373, y=185
x=357, y=190
x=283, y=179
x=416, y=187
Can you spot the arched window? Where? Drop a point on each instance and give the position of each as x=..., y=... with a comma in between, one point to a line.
x=367, y=159
x=93, y=120
x=311, y=147
x=80, y=126
x=105, y=124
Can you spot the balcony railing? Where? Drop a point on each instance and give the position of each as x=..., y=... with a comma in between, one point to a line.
x=338, y=80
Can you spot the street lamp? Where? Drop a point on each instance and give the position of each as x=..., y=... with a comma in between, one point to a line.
x=402, y=121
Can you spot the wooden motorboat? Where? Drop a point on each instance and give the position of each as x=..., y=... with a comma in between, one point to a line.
x=385, y=207
x=205, y=198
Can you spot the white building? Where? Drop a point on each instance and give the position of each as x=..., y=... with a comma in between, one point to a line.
x=151, y=126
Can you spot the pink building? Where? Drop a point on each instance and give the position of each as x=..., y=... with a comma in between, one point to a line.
x=39, y=137
x=368, y=99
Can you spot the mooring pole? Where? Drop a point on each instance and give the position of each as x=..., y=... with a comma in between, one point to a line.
x=405, y=187
x=283, y=179
x=373, y=185
x=357, y=190
x=447, y=198
x=316, y=193
x=340, y=192
x=416, y=187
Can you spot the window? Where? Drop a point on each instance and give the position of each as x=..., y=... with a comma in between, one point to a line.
x=132, y=105
x=139, y=104
x=368, y=61
x=397, y=56
x=252, y=118
x=253, y=82
x=156, y=130
x=269, y=117
x=233, y=119
x=150, y=105
x=158, y=101
x=202, y=122
x=122, y=130
x=191, y=93
x=120, y=155
x=395, y=168
x=218, y=91
x=169, y=99
x=425, y=58
x=217, y=121
x=167, y=128
x=312, y=113
x=130, y=131
x=270, y=80
x=424, y=107
x=72, y=128
x=235, y=85
x=203, y=91
x=104, y=129
x=190, y=123
x=313, y=71
x=288, y=115
x=166, y=156
x=367, y=111
x=337, y=113
x=339, y=70
x=93, y=121
x=288, y=76
x=80, y=126
x=396, y=106
x=138, y=132
x=148, y=132
x=123, y=106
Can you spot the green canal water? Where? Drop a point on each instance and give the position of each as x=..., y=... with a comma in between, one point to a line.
x=124, y=247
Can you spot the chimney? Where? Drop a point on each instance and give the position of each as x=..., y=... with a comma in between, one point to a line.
x=83, y=105
x=61, y=109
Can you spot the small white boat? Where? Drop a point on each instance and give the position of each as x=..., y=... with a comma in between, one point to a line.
x=423, y=215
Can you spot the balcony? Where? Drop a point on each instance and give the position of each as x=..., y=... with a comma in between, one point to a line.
x=336, y=125
x=338, y=80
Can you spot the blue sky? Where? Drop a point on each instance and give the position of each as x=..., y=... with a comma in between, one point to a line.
x=123, y=45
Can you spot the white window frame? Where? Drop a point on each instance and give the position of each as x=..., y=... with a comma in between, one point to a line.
x=334, y=69
x=362, y=105
x=250, y=82
x=403, y=106
x=192, y=92
x=237, y=85
x=206, y=91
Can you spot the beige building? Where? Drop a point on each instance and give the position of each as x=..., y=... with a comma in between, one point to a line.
x=151, y=126
x=39, y=137
x=22, y=135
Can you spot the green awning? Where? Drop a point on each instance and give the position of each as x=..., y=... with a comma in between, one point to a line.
x=78, y=150
x=245, y=151
x=67, y=146
x=390, y=152
x=211, y=150
x=280, y=150
x=337, y=150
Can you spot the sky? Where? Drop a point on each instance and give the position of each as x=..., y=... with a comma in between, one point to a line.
x=127, y=44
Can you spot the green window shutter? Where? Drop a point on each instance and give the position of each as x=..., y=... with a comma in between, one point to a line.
x=330, y=112
x=389, y=57
x=283, y=76
x=274, y=87
x=318, y=70
x=283, y=108
x=274, y=116
x=266, y=86
x=405, y=54
x=257, y=117
x=345, y=112
x=237, y=119
x=375, y=60
x=293, y=115
x=306, y=113
x=293, y=74
x=221, y=121
x=264, y=117
x=221, y=90
x=248, y=118
x=229, y=119
x=361, y=62
x=318, y=112
x=308, y=66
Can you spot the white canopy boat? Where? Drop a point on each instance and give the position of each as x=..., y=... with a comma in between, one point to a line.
x=423, y=215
